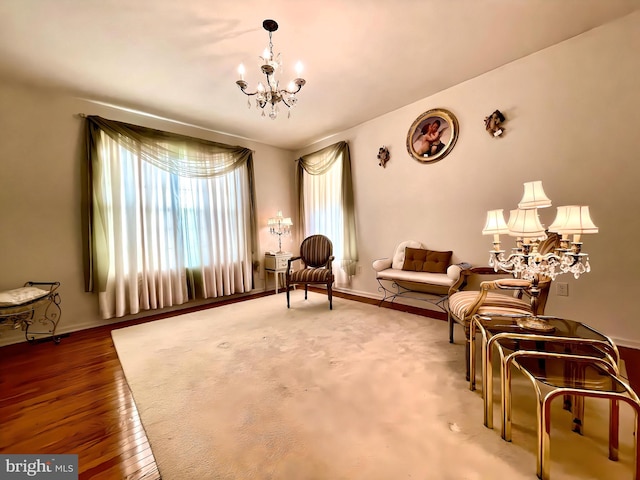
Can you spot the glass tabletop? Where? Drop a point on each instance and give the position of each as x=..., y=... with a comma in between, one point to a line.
x=559, y=327
x=586, y=375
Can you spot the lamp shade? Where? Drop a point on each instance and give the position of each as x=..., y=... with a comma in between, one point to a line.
x=562, y=213
x=278, y=219
x=574, y=219
x=525, y=223
x=513, y=214
x=495, y=224
x=534, y=196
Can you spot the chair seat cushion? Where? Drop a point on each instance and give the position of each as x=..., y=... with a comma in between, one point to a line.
x=320, y=275
x=460, y=302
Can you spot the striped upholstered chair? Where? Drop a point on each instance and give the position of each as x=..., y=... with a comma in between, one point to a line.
x=506, y=295
x=316, y=255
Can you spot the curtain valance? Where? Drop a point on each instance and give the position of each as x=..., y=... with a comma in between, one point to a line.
x=319, y=163
x=178, y=154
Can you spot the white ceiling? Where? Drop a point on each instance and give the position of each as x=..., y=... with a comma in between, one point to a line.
x=178, y=58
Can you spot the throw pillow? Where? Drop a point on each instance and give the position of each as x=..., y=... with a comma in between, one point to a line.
x=423, y=260
x=414, y=259
x=437, y=262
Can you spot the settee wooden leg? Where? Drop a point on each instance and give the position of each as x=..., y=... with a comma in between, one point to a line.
x=450, y=320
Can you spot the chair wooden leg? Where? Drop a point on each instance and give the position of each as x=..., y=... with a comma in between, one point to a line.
x=306, y=289
x=467, y=351
x=450, y=319
x=288, y=306
x=329, y=293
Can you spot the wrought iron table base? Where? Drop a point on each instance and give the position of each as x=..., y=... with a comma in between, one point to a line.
x=403, y=292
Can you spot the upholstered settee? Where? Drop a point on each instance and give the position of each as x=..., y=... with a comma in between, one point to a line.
x=415, y=268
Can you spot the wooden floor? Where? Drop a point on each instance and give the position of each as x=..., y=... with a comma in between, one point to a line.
x=73, y=398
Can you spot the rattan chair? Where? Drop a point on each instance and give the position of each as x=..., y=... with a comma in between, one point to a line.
x=316, y=255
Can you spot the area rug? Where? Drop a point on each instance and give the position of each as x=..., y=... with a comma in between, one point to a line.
x=254, y=390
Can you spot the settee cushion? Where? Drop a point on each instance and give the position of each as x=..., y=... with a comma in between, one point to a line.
x=423, y=260
x=20, y=296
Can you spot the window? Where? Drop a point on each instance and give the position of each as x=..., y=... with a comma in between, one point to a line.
x=325, y=197
x=171, y=217
x=323, y=206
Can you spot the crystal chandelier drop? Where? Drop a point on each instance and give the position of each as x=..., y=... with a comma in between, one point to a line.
x=525, y=261
x=270, y=95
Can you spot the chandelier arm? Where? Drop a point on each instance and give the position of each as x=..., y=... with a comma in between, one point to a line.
x=269, y=87
x=243, y=88
x=298, y=84
x=282, y=97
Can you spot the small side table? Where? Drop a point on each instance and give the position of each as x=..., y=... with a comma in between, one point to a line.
x=275, y=263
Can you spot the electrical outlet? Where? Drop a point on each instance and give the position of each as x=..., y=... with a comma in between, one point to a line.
x=562, y=289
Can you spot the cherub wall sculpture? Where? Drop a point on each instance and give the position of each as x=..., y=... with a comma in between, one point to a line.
x=493, y=123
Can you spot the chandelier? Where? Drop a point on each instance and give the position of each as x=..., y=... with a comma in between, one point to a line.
x=525, y=261
x=270, y=95
x=279, y=226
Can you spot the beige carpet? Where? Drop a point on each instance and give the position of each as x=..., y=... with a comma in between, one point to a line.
x=255, y=391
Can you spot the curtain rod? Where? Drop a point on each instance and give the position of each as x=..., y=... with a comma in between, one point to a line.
x=151, y=115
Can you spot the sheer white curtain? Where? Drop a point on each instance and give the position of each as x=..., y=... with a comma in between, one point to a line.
x=161, y=237
x=323, y=207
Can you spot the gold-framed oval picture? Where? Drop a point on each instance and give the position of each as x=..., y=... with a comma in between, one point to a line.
x=432, y=135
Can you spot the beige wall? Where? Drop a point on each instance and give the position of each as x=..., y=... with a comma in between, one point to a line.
x=41, y=137
x=573, y=113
